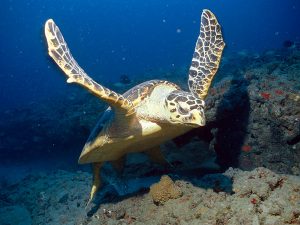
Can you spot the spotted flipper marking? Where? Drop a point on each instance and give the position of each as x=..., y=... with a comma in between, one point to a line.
x=60, y=53
x=207, y=55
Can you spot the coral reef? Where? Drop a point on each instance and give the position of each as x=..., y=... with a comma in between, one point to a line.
x=253, y=113
x=164, y=190
x=235, y=197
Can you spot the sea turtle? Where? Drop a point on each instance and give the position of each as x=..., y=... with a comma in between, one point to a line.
x=148, y=114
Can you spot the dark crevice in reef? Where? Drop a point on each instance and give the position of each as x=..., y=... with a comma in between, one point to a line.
x=231, y=124
x=225, y=134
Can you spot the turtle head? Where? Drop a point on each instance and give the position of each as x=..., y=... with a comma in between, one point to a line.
x=184, y=108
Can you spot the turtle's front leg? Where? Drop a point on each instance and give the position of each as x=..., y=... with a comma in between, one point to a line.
x=96, y=181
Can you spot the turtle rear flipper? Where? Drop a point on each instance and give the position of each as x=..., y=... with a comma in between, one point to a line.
x=207, y=55
x=59, y=51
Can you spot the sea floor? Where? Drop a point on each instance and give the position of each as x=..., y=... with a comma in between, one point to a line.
x=234, y=197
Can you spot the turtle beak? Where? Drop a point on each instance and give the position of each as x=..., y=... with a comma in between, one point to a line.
x=198, y=118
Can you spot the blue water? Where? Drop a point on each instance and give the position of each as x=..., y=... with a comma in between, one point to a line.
x=110, y=38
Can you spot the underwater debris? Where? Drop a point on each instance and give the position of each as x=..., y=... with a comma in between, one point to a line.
x=164, y=190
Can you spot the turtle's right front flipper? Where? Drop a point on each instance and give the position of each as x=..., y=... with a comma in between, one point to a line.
x=59, y=51
x=207, y=55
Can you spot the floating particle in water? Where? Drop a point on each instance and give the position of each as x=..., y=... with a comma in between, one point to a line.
x=178, y=30
x=164, y=21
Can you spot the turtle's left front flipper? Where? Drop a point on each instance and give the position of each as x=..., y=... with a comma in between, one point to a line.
x=207, y=55
x=59, y=51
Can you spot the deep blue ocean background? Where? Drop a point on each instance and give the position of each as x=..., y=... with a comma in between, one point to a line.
x=110, y=38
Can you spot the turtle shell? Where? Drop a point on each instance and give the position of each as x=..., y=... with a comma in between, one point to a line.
x=121, y=128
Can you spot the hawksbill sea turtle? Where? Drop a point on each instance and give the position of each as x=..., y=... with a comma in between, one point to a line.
x=148, y=114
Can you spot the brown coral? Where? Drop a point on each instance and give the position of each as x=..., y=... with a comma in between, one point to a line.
x=164, y=190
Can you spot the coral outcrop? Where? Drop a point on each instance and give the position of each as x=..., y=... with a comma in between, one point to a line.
x=164, y=190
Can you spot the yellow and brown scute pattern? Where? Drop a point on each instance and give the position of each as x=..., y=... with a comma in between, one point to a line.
x=144, y=90
x=60, y=53
x=207, y=55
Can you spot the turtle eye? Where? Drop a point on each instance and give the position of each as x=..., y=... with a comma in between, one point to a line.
x=182, y=109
